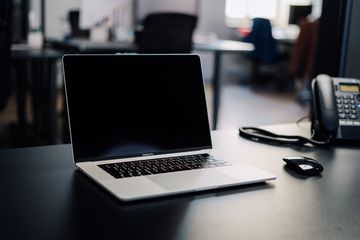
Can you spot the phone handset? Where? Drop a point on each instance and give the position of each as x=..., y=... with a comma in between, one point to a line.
x=325, y=122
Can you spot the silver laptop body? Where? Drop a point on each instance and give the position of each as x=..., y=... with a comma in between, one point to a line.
x=132, y=109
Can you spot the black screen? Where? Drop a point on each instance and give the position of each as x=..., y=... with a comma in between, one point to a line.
x=125, y=105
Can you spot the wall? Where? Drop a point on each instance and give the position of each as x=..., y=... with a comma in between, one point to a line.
x=55, y=10
x=212, y=23
x=211, y=16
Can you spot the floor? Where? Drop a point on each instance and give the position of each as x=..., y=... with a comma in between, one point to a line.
x=240, y=106
x=243, y=106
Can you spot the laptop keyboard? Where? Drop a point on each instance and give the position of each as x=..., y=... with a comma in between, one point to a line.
x=161, y=165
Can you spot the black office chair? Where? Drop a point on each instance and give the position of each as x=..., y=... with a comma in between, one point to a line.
x=267, y=63
x=5, y=51
x=76, y=31
x=166, y=33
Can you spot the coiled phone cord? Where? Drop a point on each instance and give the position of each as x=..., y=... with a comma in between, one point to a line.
x=261, y=135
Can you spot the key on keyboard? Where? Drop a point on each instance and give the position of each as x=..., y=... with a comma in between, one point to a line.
x=161, y=165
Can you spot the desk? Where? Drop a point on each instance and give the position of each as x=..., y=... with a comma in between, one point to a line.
x=89, y=47
x=286, y=34
x=218, y=47
x=44, y=197
x=38, y=67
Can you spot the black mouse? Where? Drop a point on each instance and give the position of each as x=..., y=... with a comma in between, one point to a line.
x=304, y=165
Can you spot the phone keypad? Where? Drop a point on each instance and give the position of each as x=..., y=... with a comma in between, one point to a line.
x=348, y=110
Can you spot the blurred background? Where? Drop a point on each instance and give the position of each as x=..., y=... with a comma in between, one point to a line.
x=258, y=56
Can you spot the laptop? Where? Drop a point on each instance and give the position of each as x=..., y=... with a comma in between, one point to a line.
x=139, y=126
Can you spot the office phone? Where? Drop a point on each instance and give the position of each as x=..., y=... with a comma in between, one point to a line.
x=335, y=116
x=336, y=110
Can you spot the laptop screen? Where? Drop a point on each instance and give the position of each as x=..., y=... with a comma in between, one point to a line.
x=134, y=105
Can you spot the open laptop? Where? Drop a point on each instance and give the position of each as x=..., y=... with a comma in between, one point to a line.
x=139, y=126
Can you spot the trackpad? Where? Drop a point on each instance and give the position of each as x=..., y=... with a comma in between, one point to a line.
x=194, y=179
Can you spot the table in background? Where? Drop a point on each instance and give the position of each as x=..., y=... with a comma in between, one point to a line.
x=85, y=46
x=218, y=47
x=36, y=68
x=43, y=196
x=286, y=34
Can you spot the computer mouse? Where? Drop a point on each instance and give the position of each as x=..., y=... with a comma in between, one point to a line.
x=304, y=165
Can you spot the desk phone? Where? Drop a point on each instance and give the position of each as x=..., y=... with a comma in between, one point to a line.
x=336, y=109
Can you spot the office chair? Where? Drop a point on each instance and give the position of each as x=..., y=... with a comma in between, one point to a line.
x=74, y=19
x=261, y=36
x=5, y=50
x=166, y=33
x=266, y=60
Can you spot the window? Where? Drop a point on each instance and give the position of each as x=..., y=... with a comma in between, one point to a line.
x=251, y=8
x=239, y=12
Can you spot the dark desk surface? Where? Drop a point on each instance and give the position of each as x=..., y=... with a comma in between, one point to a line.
x=43, y=196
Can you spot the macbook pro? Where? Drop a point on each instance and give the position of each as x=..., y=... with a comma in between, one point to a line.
x=139, y=126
